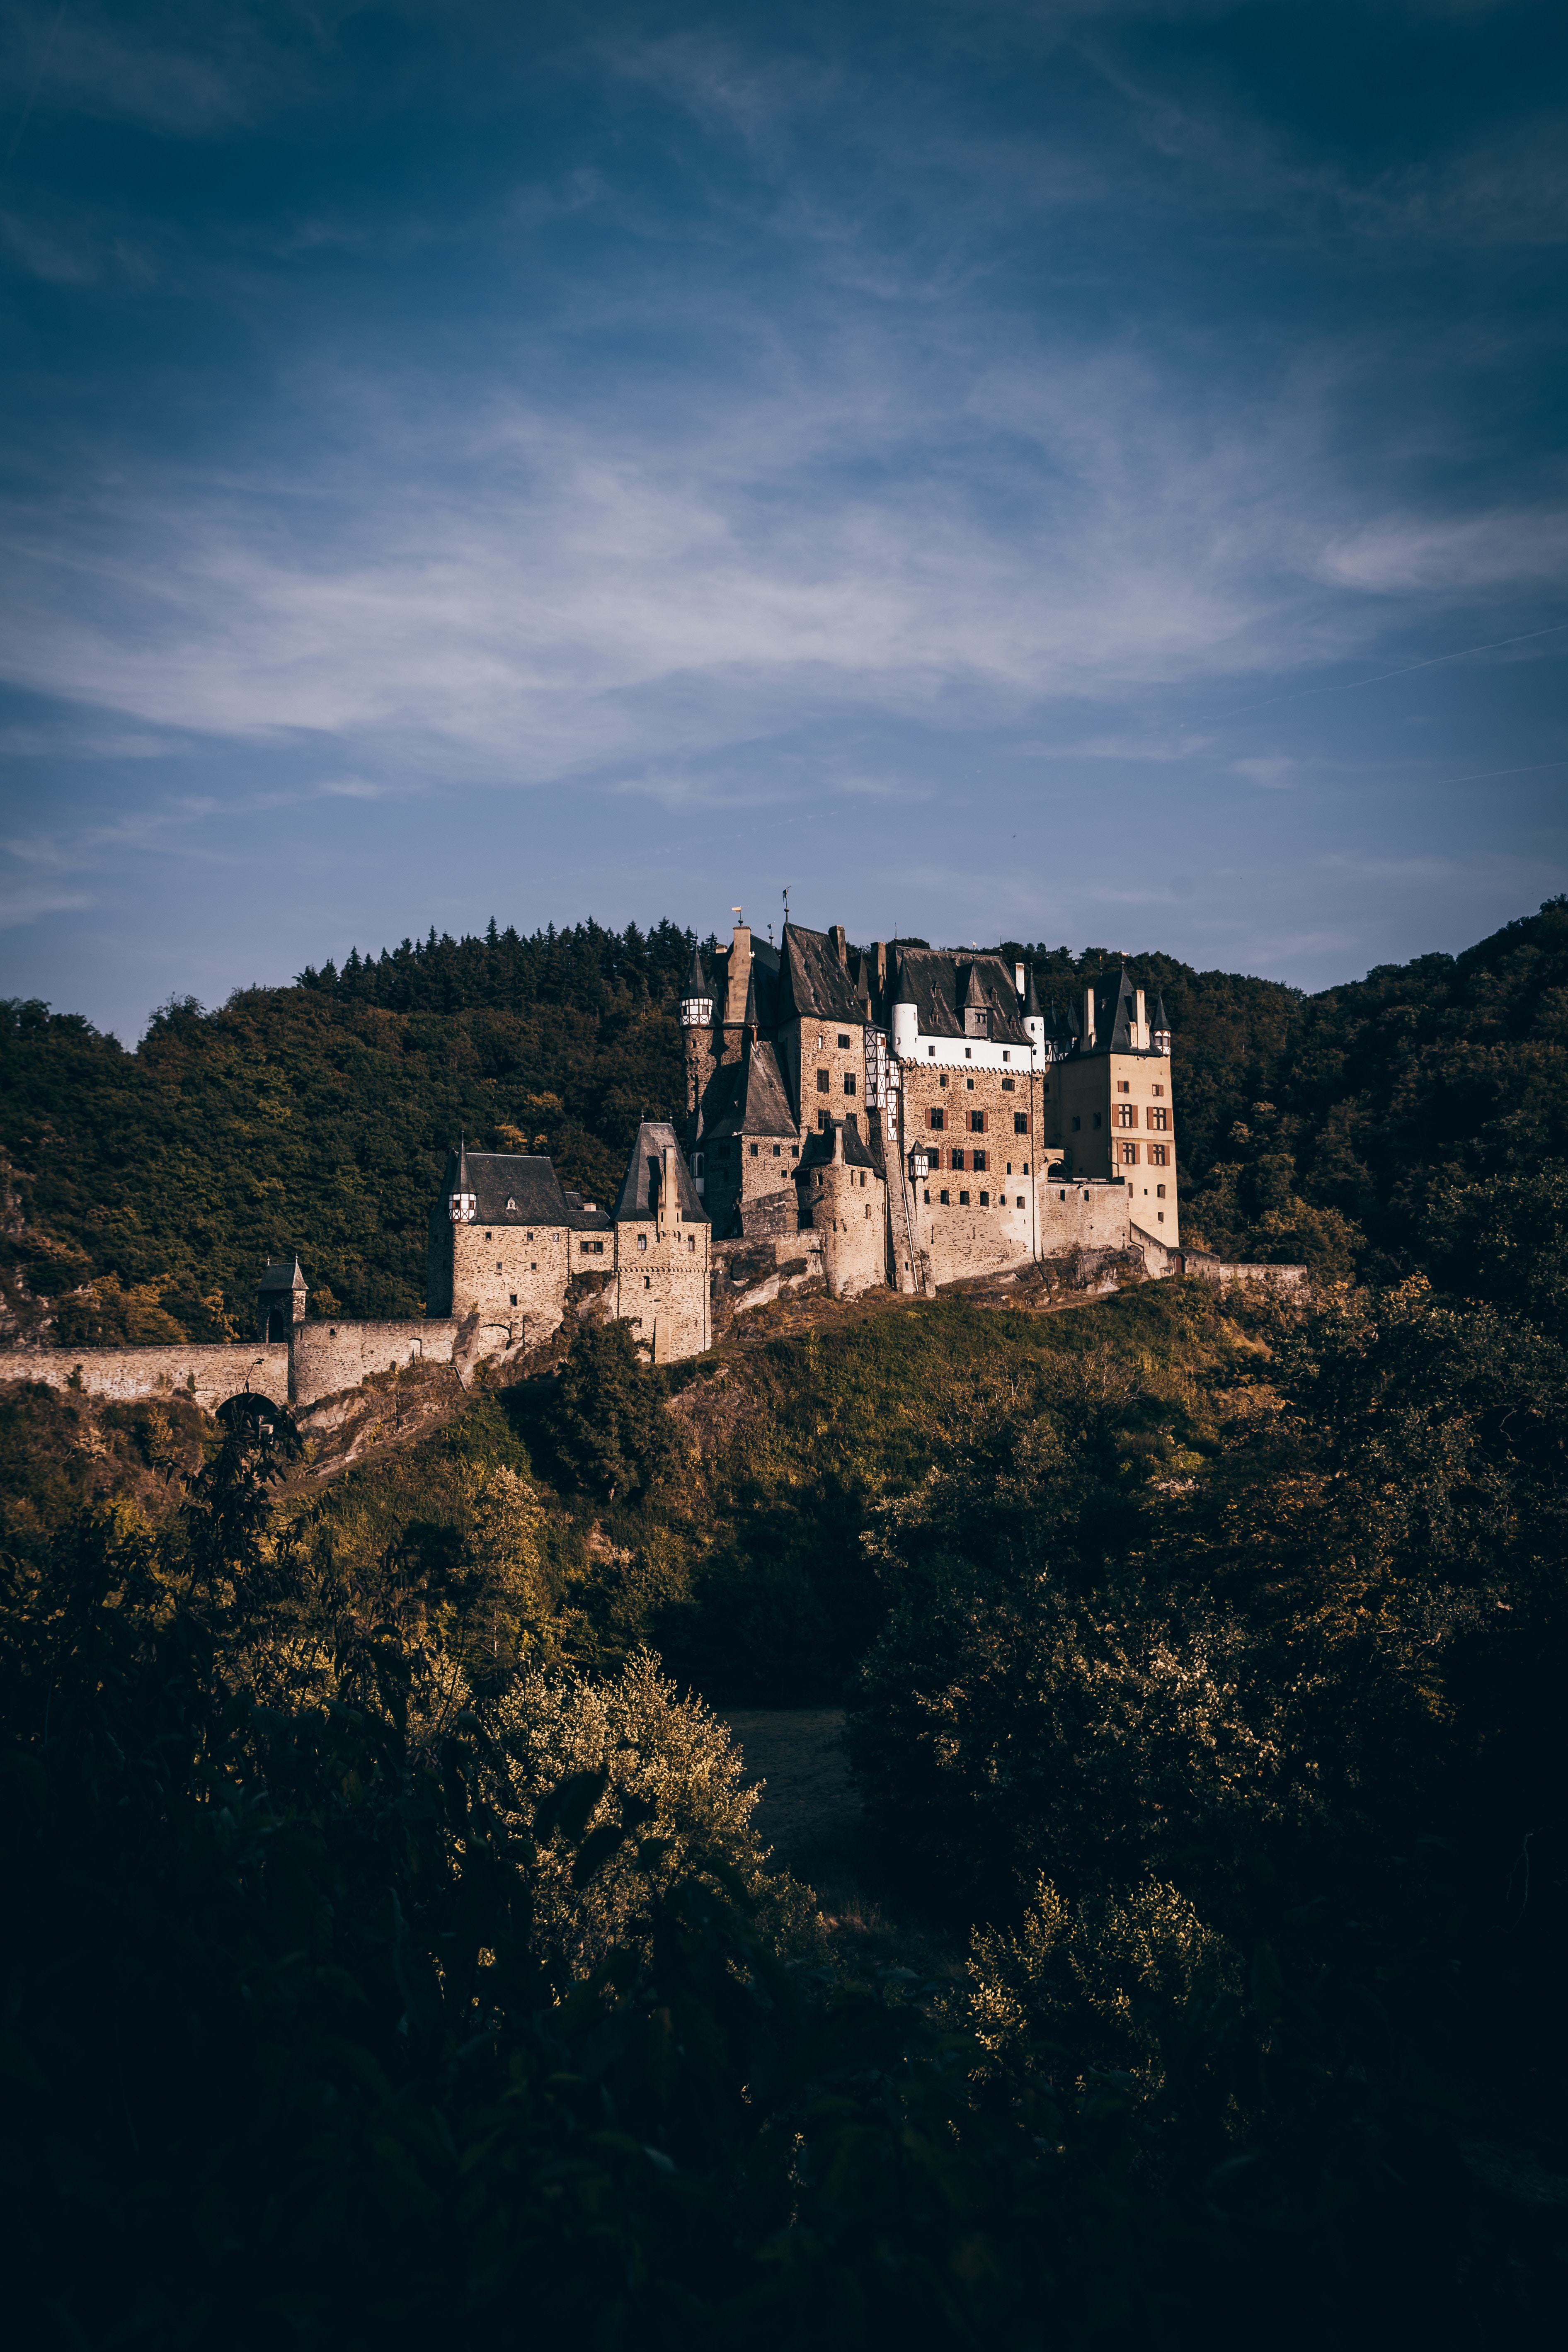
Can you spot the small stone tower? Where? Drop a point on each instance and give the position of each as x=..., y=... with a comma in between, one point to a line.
x=280, y=1299
x=696, y=1020
x=844, y=1199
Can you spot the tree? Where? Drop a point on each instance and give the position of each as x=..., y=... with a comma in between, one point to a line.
x=609, y=1422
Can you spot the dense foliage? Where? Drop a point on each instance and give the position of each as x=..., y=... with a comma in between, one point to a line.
x=317, y=1118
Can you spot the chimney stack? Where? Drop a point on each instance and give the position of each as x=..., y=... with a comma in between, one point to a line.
x=840, y=942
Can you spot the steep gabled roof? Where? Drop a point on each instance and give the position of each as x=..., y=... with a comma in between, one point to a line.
x=757, y=1101
x=817, y=1149
x=509, y=1188
x=813, y=984
x=697, y=978
x=645, y=1173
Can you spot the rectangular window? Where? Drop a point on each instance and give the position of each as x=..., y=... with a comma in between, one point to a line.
x=1094, y=1121
x=1159, y=1117
x=977, y=1160
x=977, y=1122
x=1020, y=1199
x=942, y=1079
x=843, y=1037
x=642, y=1241
x=778, y=1150
x=985, y=1200
x=1126, y=1114
x=1020, y=1122
x=938, y=1118
x=822, y=1082
x=943, y=1199
x=1007, y=1085
x=852, y=1121
x=1158, y=1090
x=822, y=1122
x=753, y=1151
x=1159, y=1155
x=1122, y=1086
x=514, y=1299
x=691, y=1240
x=964, y=1200
x=1159, y=1191
x=1129, y=1155
x=1075, y=1125
x=849, y=1082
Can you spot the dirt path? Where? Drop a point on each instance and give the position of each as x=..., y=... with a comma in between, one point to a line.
x=809, y=1799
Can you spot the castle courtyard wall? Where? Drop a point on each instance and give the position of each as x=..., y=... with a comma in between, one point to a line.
x=662, y=1275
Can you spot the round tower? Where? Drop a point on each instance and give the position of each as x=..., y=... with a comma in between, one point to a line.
x=846, y=1204
x=906, y=1019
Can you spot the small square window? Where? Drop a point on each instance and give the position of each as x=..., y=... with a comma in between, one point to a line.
x=753, y=1152
x=533, y=1266
x=1121, y=1086
x=977, y=1160
x=969, y=1052
x=985, y=1200
x=964, y=1200
x=648, y=1282
x=514, y=1299
x=1020, y=1199
x=498, y=1266
x=1159, y=1191
x=1161, y=1214
x=945, y=1203
x=794, y=1151
x=970, y=1085
x=1020, y=1122
x=778, y=1151
x=1006, y=1057
x=942, y=1080
x=1007, y=1086
x=932, y=1051
x=843, y=1037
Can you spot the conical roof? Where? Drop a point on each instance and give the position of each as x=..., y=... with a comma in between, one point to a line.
x=463, y=1183
x=1031, y=998
x=1162, y=1020
x=1119, y=1037
x=697, y=978
x=975, y=995
x=749, y=1017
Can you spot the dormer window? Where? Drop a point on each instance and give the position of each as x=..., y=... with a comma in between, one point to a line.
x=512, y=1204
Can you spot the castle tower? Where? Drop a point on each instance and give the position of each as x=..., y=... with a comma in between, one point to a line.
x=844, y=1199
x=695, y=1018
x=280, y=1296
x=1116, y=1117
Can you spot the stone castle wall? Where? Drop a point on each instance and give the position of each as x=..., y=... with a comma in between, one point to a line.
x=207, y=1375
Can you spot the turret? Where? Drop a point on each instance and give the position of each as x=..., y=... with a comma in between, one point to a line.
x=697, y=999
x=462, y=1206
x=1160, y=1033
x=976, y=1011
x=280, y=1296
x=906, y=1017
x=1034, y=1019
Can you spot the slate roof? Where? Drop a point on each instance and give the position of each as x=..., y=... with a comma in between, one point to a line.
x=282, y=1274
x=817, y=1149
x=756, y=1100
x=697, y=978
x=495, y=1178
x=656, y=1136
x=929, y=980
x=813, y=984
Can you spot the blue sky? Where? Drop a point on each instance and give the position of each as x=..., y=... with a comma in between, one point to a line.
x=1092, y=472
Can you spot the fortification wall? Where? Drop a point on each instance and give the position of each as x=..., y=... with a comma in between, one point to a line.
x=208, y=1375
x=753, y=1274
x=331, y=1357
x=1162, y=1260
x=849, y=1216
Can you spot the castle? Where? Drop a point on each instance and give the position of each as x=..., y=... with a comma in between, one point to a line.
x=897, y=1116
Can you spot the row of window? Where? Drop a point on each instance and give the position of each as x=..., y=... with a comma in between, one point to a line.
x=945, y=1199
x=1159, y=1155
x=1157, y=1115
x=1007, y=1084
x=823, y=1077
x=978, y=1120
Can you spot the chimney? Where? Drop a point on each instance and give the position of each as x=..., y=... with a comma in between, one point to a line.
x=840, y=944
x=1089, y=1016
x=667, y=1193
x=1018, y=978
x=837, y=1143
x=739, y=976
x=1142, y=1039
x=879, y=962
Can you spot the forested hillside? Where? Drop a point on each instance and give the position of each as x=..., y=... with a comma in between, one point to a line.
x=1349, y=1130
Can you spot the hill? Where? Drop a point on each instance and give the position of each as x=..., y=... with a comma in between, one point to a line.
x=1349, y=1129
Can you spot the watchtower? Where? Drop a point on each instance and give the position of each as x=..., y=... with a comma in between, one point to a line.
x=280, y=1297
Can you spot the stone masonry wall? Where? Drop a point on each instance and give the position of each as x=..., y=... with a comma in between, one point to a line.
x=661, y=1285
x=209, y=1376
x=512, y=1275
x=970, y=1221
x=849, y=1210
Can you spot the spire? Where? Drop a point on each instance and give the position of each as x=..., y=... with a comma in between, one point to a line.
x=1120, y=1009
x=903, y=993
x=1031, y=998
x=461, y=1205
x=975, y=995
x=1160, y=1028
x=697, y=996
x=749, y=1017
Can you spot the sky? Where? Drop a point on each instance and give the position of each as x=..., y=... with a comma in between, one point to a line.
x=1088, y=472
